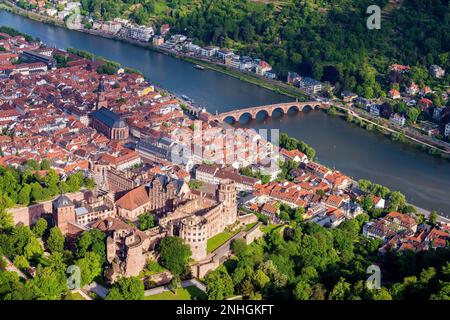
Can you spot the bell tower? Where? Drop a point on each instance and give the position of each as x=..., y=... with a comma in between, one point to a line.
x=101, y=96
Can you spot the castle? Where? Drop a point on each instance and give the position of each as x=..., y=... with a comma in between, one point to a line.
x=203, y=217
x=193, y=216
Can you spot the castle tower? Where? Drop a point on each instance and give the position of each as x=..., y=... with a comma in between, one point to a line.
x=63, y=213
x=101, y=96
x=194, y=232
x=227, y=196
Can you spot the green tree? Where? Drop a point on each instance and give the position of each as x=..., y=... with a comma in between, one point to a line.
x=24, y=195
x=90, y=267
x=433, y=217
x=260, y=279
x=6, y=219
x=33, y=249
x=56, y=240
x=396, y=201
x=127, y=289
x=21, y=262
x=146, y=221
x=46, y=164
x=219, y=284
x=174, y=255
x=48, y=284
x=93, y=240
x=380, y=294
x=341, y=290
x=40, y=227
x=411, y=115
x=302, y=290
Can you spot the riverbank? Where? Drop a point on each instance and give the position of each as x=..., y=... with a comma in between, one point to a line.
x=353, y=117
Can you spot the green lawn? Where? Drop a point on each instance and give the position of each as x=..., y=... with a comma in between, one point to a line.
x=188, y=293
x=215, y=242
x=270, y=227
x=153, y=267
x=249, y=226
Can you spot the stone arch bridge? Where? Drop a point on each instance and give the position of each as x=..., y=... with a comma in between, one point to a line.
x=235, y=115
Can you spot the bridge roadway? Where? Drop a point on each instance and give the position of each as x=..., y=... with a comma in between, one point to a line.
x=270, y=109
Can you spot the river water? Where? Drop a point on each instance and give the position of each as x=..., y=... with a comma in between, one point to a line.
x=424, y=179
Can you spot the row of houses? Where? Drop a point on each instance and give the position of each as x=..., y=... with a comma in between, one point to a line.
x=181, y=43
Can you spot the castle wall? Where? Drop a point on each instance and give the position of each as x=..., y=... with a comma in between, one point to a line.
x=29, y=215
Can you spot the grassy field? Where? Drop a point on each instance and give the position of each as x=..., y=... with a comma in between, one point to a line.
x=215, y=242
x=267, y=229
x=249, y=226
x=188, y=293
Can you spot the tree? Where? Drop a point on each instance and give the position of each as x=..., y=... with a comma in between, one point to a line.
x=174, y=254
x=48, y=284
x=40, y=227
x=219, y=284
x=92, y=241
x=367, y=203
x=302, y=290
x=433, y=217
x=56, y=240
x=364, y=185
x=340, y=291
x=127, y=289
x=6, y=219
x=37, y=192
x=33, y=249
x=396, y=201
x=46, y=164
x=90, y=267
x=195, y=184
x=146, y=221
x=89, y=183
x=380, y=294
x=21, y=262
x=411, y=115
x=260, y=279
x=24, y=195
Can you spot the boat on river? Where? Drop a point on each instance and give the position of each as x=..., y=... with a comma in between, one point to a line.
x=199, y=67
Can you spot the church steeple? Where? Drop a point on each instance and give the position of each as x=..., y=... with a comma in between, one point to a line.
x=101, y=96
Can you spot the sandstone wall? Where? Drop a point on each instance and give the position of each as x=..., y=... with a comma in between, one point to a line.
x=29, y=215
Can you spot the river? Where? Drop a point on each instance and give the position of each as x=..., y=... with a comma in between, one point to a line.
x=424, y=179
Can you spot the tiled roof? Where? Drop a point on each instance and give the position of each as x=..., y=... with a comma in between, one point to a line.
x=134, y=199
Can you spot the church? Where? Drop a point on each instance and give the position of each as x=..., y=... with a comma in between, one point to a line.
x=106, y=121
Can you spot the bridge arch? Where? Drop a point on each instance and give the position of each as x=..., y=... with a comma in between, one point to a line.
x=249, y=113
x=277, y=109
x=230, y=118
x=307, y=108
x=317, y=107
x=293, y=108
x=264, y=112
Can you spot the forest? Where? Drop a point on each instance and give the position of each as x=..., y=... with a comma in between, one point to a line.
x=325, y=39
x=305, y=261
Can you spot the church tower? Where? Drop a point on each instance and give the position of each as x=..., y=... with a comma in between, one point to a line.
x=227, y=196
x=101, y=95
x=63, y=213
